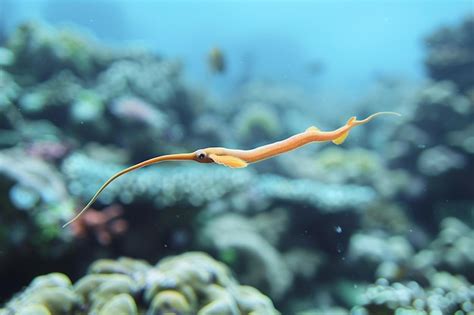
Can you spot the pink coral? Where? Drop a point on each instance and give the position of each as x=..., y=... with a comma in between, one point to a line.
x=104, y=225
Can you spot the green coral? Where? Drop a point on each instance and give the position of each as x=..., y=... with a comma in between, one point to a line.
x=336, y=165
x=49, y=294
x=169, y=185
x=44, y=50
x=257, y=123
x=192, y=283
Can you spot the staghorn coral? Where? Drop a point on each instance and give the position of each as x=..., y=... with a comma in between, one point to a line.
x=192, y=283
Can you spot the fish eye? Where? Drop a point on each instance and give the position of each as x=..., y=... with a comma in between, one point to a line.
x=201, y=155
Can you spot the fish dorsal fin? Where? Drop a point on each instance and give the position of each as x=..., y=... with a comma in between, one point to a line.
x=341, y=138
x=351, y=120
x=313, y=129
x=228, y=160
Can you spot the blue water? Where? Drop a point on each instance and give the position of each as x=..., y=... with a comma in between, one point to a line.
x=353, y=40
x=386, y=215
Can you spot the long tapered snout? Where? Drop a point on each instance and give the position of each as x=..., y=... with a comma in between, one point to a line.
x=158, y=159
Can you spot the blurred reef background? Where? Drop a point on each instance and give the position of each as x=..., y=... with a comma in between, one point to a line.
x=383, y=224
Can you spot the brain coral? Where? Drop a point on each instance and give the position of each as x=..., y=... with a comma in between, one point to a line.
x=191, y=283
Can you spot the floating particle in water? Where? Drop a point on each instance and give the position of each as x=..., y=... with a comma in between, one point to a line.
x=338, y=229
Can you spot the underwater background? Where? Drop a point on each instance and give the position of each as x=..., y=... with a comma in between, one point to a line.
x=381, y=224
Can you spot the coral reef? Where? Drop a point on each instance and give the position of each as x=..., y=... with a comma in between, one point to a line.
x=450, y=54
x=37, y=189
x=192, y=283
x=384, y=228
x=45, y=51
x=167, y=185
x=447, y=294
x=104, y=224
x=264, y=265
x=450, y=250
x=436, y=142
x=330, y=165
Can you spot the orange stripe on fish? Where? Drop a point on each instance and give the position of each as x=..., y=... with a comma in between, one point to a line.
x=235, y=158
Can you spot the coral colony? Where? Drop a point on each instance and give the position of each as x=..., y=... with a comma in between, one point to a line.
x=382, y=224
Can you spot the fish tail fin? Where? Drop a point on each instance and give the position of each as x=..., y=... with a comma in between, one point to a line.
x=352, y=122
x=356, y=122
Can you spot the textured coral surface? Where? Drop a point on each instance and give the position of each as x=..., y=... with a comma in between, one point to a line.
x=381, y=225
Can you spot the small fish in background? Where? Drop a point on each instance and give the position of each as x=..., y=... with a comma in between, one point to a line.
x=314, y=68
x=216, y=61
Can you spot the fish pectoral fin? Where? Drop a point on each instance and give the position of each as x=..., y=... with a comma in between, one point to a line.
x=341, y=138
x=228, y=160
x=312, y=129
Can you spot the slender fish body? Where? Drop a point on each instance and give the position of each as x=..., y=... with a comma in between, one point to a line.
x=235, y=158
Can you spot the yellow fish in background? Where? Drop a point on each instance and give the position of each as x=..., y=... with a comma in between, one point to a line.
x=236, y=158
x=216, y=61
